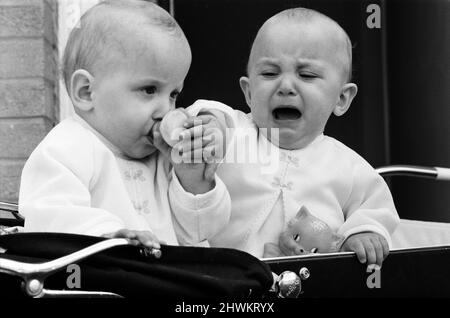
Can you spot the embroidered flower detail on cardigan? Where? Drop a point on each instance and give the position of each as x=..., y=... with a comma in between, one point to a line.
x=290, y=159
x=278, y=183
x=135, y=175
x=141, y=207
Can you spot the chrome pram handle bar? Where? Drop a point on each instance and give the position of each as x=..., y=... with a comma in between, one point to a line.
x=8, y=206
x=14, y=218
x=35, y=274
x=436, y=173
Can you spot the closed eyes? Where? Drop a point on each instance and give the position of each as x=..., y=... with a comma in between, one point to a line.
x=308, y=75
x=269, y=74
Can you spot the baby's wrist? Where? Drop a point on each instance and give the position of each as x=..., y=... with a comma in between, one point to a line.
x=197, y=187
x=194, y=181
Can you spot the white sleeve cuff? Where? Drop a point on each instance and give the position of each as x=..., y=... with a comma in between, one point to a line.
x=199, y=217
x=195, y=201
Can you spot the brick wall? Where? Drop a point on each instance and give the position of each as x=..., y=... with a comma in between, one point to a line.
x=28, y=84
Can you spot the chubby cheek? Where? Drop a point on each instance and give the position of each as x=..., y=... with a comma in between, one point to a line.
x=141, y=150
x=258, y=113
x=320, y=93
x=138, y=117
x=317, y=113
x=259, y=105
x=261, y=92
x=322, y=115
x=149, y=151
x=114, y=102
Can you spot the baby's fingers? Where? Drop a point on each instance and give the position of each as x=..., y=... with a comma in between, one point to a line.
x=189, y=143
x=385, y=246
x=214, y=137
x=192, y=133
x=148, y=239
x=145, y=238
x=197, y=121
x=192, y=156
x=371, y=252
x=210, y=171
x=123, y=233
x=198, y=148
x=211, y=155
x=360, y=252
x=378, y=248
x=357, y=247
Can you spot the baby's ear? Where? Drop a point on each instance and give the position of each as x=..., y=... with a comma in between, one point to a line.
x=348, y=92
x=81, y=89
x=302, y=212
x=244, y=82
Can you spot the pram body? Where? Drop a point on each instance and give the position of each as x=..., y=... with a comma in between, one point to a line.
x=418, y=265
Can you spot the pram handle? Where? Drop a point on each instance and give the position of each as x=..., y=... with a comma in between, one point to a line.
x=25, y=270
x=12, y=209
x=9, y=206
x=35, y=274
x=436, y=173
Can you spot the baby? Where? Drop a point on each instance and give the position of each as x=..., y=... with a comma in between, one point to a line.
x=106, y=171
x=298, y=75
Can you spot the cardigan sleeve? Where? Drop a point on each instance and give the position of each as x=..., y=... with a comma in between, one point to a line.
x=199, y=217
x=226, y=115
x=370, y=206
x=55, y=191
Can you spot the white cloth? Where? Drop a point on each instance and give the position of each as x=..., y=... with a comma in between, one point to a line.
x=331, y=180
x=75, y=181
x=413, y=234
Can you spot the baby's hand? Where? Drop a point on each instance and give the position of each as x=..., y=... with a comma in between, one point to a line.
x=145, y=238
x=369, y=247
x=194, y=174
x=203, y=141
x=201, y=148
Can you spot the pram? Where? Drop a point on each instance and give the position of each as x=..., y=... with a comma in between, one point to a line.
x=63, y=265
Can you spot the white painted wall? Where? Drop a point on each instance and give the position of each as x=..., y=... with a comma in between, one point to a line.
x=69, y=13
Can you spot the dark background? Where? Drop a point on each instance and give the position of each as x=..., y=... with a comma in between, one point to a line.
x=401, y=114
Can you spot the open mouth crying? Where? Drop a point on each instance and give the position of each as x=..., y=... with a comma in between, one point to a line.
x=286, y=113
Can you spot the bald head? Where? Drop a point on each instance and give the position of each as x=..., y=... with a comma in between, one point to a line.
x=111, y=30
x=306, y=18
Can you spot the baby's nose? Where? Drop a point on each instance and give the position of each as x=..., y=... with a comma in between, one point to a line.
x=161, y=109
x=286, y=86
